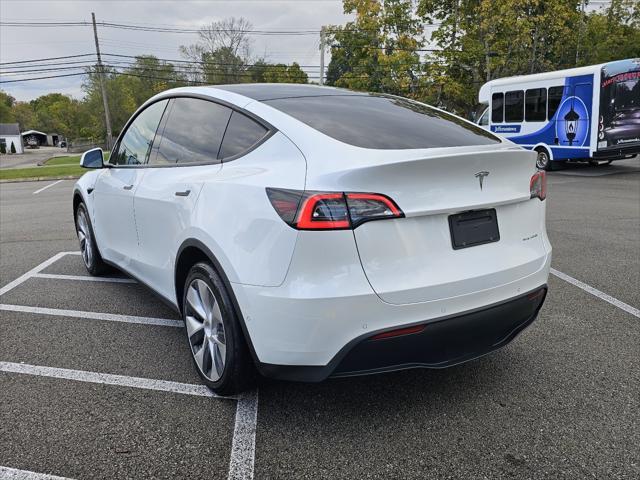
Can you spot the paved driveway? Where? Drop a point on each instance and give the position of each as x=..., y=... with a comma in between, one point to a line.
x=31, y=157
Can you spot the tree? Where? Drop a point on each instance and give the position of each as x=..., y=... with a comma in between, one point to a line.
x=612, y=33
x=3, y=148
x=13, y=147
x=479, y=40
x=6, y=104
x=378, y=51
x=24, y=115
x=223, y=51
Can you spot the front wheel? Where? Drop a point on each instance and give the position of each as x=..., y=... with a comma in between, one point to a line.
x=213, y=331
x=88, y=248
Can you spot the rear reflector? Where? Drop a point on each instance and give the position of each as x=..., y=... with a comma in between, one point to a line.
x=331, y=210
x=399, y=332
x=538, y=185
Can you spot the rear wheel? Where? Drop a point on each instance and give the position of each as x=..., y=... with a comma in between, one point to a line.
x=214, y=335
x=88, y=248
x=543, y=162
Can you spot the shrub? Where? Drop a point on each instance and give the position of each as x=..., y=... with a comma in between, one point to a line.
x=13, y=148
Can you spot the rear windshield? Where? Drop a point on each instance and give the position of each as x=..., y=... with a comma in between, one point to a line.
x=382, y=122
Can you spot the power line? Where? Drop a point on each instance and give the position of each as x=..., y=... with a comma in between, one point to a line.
x=47, y=59
x=42, y=78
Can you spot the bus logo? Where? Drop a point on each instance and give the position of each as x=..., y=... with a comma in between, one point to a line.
x=480, y=176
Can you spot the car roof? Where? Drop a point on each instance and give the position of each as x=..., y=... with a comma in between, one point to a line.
x=273, y=91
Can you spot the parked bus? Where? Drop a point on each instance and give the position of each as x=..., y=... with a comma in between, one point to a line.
x=581, y=114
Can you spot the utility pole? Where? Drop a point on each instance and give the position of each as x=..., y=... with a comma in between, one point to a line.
x=323, y=40
x=107, y=116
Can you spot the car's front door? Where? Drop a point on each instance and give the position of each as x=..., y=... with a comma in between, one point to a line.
x=114, y=220
x=184, y=153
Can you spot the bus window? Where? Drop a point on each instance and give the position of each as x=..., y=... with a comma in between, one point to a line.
x=555, y=97
x=514, y=106
x=497, y=111
x=535, y=105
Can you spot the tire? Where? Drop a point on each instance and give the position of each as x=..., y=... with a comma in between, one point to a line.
x=214, y=336
x=543, y=161
x=88, y=248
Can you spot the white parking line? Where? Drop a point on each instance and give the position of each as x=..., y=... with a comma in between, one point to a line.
x=242, y=459
x=37, y=269
x=243, y=448
x=109, y=379
x=48, y=186
x=108, y=317
x=84, y=278
x=7, y=473
x=594, y=291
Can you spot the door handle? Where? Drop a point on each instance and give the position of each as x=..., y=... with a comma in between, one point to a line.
x=128, y=187
x=183, y=194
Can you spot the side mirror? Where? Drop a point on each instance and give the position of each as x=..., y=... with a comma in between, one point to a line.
x=92, y=159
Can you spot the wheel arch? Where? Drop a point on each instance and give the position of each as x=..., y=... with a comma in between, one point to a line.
x=77, y=200
x=543, y=146
x=192, y=251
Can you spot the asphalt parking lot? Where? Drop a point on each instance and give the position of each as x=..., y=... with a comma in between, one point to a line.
x=96, y=380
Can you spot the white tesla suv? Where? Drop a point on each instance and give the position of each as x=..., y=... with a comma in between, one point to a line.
x=314, y=232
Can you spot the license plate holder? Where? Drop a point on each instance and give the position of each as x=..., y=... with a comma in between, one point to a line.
x=472, y=228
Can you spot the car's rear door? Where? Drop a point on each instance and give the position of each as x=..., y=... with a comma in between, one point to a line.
x=114, y=221
x=184, y=154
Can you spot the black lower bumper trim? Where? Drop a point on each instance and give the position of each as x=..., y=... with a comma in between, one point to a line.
x=444, y=342
x=617, y=152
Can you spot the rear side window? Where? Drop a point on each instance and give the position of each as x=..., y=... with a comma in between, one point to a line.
x=497, y=108
x=535, y=106
x=242, y=134
x=192, y=132
x=383, y=122
x=514, y=106
x=555, y=97
x=136, y=142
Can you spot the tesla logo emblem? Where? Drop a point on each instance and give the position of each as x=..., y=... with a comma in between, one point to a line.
x=480, y=176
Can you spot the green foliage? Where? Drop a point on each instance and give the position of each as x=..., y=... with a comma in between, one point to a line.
x=377, y=51
x=3, y=148
x=6, y=108
x=41, y=172
x=611, y=34
x=13, y=147
x=262, y=72
x=475, y=41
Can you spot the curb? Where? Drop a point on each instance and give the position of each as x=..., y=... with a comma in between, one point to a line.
x=39, y=179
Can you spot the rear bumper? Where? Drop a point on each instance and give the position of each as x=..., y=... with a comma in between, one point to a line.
x=444, y=342
x=617, y=152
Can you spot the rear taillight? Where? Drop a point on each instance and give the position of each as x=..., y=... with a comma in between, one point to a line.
x=331, y=210
x=538, y=185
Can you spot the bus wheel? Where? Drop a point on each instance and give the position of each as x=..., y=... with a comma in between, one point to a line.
x=543, y=162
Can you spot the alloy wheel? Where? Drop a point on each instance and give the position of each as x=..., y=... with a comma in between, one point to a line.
x=84, y=236
x=543, y=160
x=205, y=329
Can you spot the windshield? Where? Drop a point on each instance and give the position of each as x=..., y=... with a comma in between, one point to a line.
x=383, y=122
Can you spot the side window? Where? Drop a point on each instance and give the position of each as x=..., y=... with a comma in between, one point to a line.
x=497, y=108
x=535, y=105
x=136, y=142
x=192, y=133
x=514, y=106
x=242, y=133
x=555, y=97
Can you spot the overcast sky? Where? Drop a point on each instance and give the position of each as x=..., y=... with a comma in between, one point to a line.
x=26, y=43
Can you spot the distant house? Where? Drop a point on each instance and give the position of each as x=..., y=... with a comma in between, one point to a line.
x=10, y=133
x=49, y=139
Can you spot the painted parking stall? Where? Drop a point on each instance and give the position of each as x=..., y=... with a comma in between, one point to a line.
x=242, y=455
